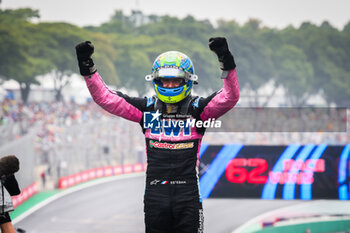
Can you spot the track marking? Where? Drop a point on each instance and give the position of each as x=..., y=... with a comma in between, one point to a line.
x=71, y=190
x=257, y=220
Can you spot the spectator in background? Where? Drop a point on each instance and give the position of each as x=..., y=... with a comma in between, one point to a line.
x=43, y=178
x=46, y=118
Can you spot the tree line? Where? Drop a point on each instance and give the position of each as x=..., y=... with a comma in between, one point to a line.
x=307, y=60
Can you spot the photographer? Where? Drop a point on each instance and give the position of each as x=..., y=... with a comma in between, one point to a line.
x=9, y=187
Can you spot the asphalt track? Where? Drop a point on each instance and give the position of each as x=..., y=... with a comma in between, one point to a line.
x=116, y=206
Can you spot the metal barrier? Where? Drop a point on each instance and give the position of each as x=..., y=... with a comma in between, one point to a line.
x=24, y=150
x=72, y=149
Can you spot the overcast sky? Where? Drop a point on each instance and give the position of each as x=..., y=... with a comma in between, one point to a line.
x=273, y=13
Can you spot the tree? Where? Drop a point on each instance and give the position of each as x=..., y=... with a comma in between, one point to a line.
x=337, y=88
x=186, y=29
x=119, y=23
x=22, y=62
x=328, y=51
x=105, y=57
x=57, y=42
x=306, y=60
x=31, y=50
x=294, y=73
x=253, y=57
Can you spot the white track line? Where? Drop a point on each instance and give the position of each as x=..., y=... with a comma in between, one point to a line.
x=74, y=189
x=259, y=218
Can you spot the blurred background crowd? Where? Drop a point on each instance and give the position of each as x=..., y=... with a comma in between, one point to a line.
x=16, y=119
x=48, y=119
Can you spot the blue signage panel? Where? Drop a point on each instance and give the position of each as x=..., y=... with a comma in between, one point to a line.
x=275, y=172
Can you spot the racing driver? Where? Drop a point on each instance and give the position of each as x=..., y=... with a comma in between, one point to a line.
x=172, y=202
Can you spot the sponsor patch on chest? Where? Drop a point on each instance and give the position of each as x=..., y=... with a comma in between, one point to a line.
x=171, y=146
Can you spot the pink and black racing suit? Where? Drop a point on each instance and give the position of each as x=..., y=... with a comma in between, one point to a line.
x=172, y=200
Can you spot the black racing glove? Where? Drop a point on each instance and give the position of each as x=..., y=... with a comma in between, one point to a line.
x=220, y=47
x=84, y=52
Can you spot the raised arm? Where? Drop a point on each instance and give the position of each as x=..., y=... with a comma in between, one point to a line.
x=222, y=101
x=115, y=103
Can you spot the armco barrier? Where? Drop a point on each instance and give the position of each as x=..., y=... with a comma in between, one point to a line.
x=25, y=194
x=95, y=173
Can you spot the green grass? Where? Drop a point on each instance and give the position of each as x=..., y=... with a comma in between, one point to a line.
x=31, y=202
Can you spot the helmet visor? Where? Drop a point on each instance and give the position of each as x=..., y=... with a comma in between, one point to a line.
x=170, y=73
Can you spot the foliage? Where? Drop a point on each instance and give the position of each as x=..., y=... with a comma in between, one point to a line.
x=307, y=60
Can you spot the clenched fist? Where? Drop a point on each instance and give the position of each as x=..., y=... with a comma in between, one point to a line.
x=220, y=47
x=84, y=52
